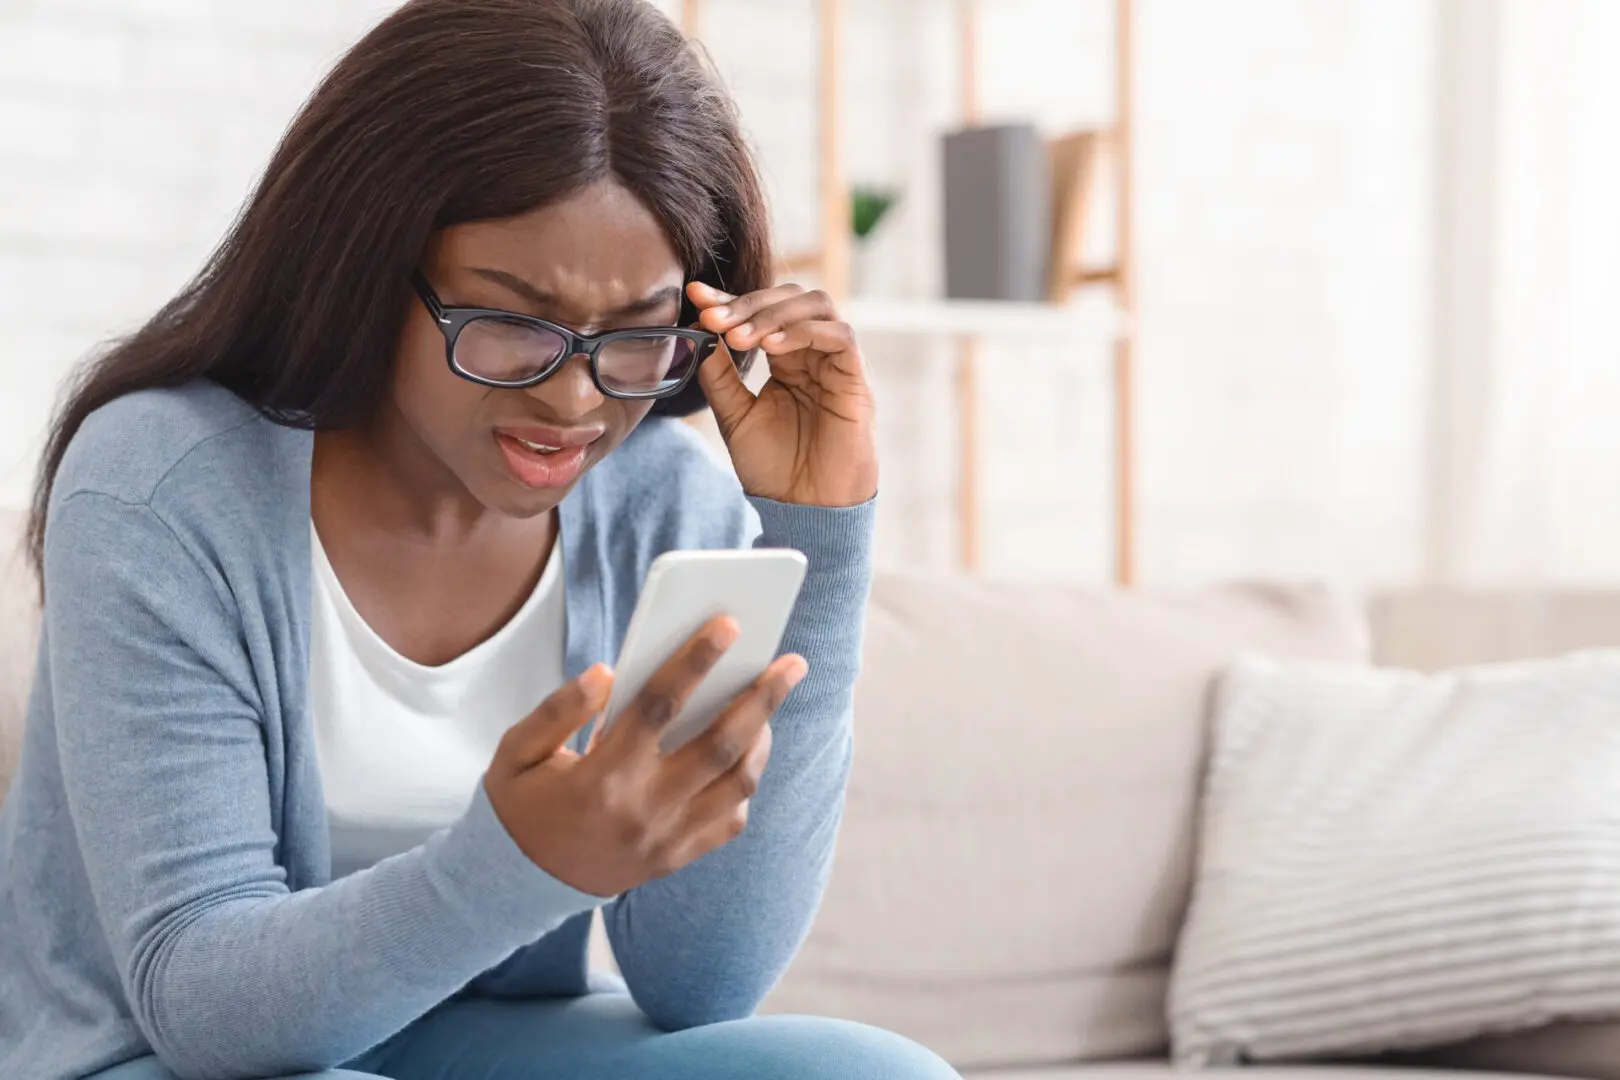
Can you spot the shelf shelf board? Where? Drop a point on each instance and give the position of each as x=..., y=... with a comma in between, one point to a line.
x=1090, y=319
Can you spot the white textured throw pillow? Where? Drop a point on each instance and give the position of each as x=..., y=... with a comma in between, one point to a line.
x=1391, y=860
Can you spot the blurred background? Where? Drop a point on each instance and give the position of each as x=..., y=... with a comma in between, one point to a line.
x=1367, y=293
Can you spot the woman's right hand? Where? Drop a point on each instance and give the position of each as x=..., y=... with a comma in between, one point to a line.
x=624, y=813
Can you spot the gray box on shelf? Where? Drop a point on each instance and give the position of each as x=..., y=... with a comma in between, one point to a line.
x=998, y=213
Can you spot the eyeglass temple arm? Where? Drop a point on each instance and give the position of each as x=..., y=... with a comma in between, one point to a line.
x=429, y=297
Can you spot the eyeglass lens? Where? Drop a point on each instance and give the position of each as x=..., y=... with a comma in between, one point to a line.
x=508, y=351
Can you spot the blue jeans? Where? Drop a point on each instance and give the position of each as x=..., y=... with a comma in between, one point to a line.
x=604, y=1037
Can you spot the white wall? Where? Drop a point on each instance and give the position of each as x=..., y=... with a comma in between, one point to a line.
x=1284, y=168
x=130, y=131
x=1526, y=448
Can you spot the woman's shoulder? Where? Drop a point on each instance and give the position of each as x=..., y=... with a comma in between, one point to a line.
x=195, y=435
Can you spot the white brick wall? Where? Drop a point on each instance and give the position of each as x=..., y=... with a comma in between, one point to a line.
x=1283, y=222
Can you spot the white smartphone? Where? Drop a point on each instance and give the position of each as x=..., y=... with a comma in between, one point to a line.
x=684, y=590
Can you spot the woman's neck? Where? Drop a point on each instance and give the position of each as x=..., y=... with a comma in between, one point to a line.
x=383, y=475
x=429, y=569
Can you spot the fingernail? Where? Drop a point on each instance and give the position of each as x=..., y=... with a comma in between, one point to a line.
x=721, y=293
x=726, y=633
x=776, y=338
x=723, y=312
x=790, y=676
x=797, y=671
x=744, y=330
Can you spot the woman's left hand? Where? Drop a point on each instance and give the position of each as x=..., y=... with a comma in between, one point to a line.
x=807, y=437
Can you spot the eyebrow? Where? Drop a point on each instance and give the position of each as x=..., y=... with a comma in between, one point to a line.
x=652, y=302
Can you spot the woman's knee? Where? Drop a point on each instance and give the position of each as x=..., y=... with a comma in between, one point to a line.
x=816, y=1048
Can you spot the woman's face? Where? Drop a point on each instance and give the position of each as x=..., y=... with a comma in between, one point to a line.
x=596, y=261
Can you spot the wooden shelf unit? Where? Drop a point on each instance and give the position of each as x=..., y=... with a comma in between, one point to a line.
x=967, y=321
x=1091, y=322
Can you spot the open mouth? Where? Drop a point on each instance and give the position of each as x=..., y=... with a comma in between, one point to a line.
x=541, y=465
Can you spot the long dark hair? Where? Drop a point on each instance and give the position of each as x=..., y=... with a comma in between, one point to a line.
x=450, y=111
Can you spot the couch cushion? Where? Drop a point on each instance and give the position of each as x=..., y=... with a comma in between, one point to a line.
x=1375, y=841
x=1163, y=1070
x=1017, y=848
x=19, y=629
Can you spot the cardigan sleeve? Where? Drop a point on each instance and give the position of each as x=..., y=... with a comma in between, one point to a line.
x=708, y=942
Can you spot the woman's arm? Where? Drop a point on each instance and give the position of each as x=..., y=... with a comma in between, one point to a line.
x=708, y=942
x=162, y=753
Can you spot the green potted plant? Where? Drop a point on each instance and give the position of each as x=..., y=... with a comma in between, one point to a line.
x=869, y=205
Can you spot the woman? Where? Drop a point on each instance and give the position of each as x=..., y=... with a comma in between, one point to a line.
x=333, y=550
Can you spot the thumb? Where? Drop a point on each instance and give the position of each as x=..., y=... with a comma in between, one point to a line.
x=728, y=395
x=544, y=732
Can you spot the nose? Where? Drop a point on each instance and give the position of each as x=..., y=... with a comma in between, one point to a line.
x=571, y=393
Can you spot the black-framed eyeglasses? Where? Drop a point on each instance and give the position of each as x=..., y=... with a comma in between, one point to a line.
x=507, y=350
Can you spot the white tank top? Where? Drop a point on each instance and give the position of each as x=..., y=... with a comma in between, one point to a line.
x=402, y=747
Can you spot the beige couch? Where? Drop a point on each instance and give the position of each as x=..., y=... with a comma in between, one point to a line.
x=1018, y=846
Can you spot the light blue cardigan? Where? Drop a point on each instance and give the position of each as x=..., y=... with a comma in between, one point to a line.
x=163, y=851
